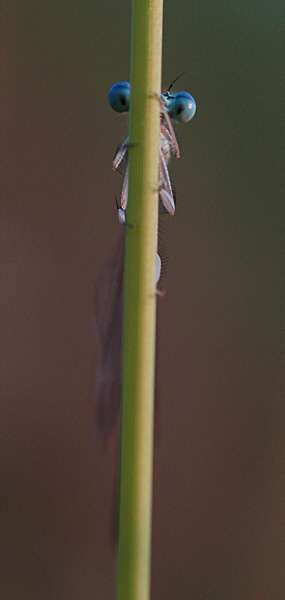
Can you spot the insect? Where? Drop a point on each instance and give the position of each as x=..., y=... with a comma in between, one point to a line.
x=179, y=107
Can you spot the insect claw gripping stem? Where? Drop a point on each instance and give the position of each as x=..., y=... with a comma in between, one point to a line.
x=160, y=293
x=122, y=216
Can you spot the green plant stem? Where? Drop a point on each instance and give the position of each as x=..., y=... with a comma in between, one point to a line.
x=135, y=506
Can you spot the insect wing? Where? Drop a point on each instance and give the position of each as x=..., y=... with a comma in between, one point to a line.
x=108, y=329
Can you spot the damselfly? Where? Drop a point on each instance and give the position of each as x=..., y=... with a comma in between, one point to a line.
x=179, y=107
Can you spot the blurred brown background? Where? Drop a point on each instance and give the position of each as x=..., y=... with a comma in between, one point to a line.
x=218, y=510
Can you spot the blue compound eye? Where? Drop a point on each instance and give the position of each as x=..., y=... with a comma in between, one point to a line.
x=119, y=96
x=182, y=108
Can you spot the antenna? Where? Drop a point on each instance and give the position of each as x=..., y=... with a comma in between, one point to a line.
x=174, y=80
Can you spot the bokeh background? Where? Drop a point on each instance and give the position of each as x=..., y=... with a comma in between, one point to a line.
x=218, y=512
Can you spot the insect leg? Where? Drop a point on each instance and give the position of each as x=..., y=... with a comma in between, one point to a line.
x=124, y=194
x=170, y=129
x=165, y=189
x=166, y=133
x=120, y=154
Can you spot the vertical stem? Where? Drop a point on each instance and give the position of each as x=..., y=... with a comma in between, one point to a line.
x=134, y=552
